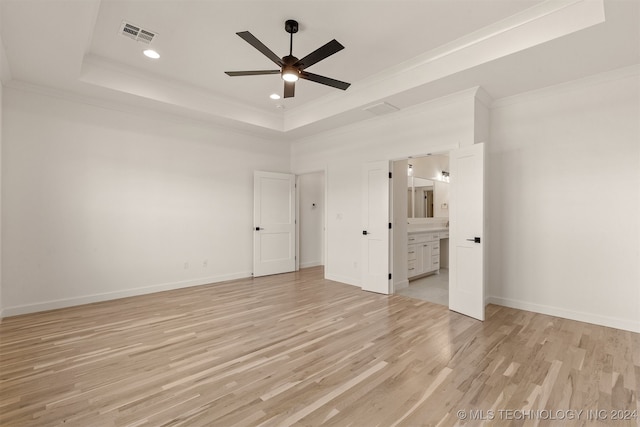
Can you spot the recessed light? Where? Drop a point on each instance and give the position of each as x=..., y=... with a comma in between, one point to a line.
x=150, y=53
x=274, y=96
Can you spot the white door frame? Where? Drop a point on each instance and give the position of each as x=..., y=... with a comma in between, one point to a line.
x=297, y=191
x=403, y=238
x=324, y=259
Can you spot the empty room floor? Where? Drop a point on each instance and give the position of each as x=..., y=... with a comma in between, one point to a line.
x=295, y=349
x=433, y=288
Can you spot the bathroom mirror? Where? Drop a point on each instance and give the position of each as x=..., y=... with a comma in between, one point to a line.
x=420, y=198
x=428, y=187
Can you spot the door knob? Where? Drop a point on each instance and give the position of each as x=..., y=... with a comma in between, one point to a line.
x=258, y=228
x=365, y=232
x=475, y=240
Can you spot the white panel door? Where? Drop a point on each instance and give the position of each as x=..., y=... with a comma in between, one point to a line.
x=466, y=234
x=274, y=235
x=375, y=227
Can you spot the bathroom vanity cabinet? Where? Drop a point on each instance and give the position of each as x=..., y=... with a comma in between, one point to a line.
x=424, y=252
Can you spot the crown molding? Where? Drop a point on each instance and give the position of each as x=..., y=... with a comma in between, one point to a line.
x=593, y=80
x=467, y=95
x=148, y=111
x=483, y=97
x=109, y=74
x=539, y=24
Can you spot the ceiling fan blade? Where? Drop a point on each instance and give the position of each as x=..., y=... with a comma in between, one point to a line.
x=324, y=80
x=289, y=89
x=253, y=41
x=251, y=73
x=319, y=54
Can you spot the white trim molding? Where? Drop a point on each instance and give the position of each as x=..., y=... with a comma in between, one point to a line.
x=612, y=322
x=107, y=296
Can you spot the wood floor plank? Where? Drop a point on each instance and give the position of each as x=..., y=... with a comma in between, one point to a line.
x=295, y=349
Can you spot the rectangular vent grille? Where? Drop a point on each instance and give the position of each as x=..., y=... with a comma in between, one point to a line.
x=381, y=108
x=136, y=33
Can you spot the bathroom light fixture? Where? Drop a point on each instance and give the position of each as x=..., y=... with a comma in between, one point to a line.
x=441, y=176
x=274, y=96
x=150, y=53
x=410, y=170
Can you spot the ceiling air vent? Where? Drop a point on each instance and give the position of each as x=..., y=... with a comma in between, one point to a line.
x=381, y=108
x=136, y=33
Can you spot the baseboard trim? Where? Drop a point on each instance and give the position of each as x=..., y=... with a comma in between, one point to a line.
x=400, y=285
x=310, y=264
x=342, y=279
x=107, y=296
x=611, y=322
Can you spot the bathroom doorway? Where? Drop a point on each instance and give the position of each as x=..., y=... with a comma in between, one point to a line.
x=421, y=247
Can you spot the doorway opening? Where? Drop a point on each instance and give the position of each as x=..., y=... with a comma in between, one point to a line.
x=310, y=198
x=421, y=202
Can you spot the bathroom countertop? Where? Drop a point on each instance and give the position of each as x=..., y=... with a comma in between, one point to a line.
x=426, y=230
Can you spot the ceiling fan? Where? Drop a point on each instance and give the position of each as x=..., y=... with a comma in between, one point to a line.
x=292, y=68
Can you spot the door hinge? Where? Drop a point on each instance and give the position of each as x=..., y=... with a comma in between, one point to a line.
x=390, y=175
x=389, y=276
x=389, y=226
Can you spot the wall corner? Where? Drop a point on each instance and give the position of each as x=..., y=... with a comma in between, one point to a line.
x=481, y=115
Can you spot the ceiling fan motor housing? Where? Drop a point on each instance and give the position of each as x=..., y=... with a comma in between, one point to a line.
x=289, y=60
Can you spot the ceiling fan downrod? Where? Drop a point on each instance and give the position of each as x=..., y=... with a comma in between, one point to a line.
x=291, y=27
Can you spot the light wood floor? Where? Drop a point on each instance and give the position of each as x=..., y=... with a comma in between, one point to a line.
x=295, y=349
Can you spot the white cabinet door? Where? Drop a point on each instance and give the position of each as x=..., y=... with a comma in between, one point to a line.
x=419, y=259
x=466, y=231
x=274, y=243
x=426, y=257
x=375, y=227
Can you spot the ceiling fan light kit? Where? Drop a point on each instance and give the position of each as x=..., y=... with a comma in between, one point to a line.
x=290, y=73
x=292, y=68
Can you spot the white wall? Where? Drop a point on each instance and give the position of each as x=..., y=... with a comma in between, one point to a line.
x=400, y=209
x=441, y=199
x=311, y=191
x=99, y=203
x=428, y=128
x=1, y=132
x=429, y=167
x=5, y=76
x=565, y=200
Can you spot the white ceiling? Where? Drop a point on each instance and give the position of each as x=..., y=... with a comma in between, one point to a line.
x=401, y=52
